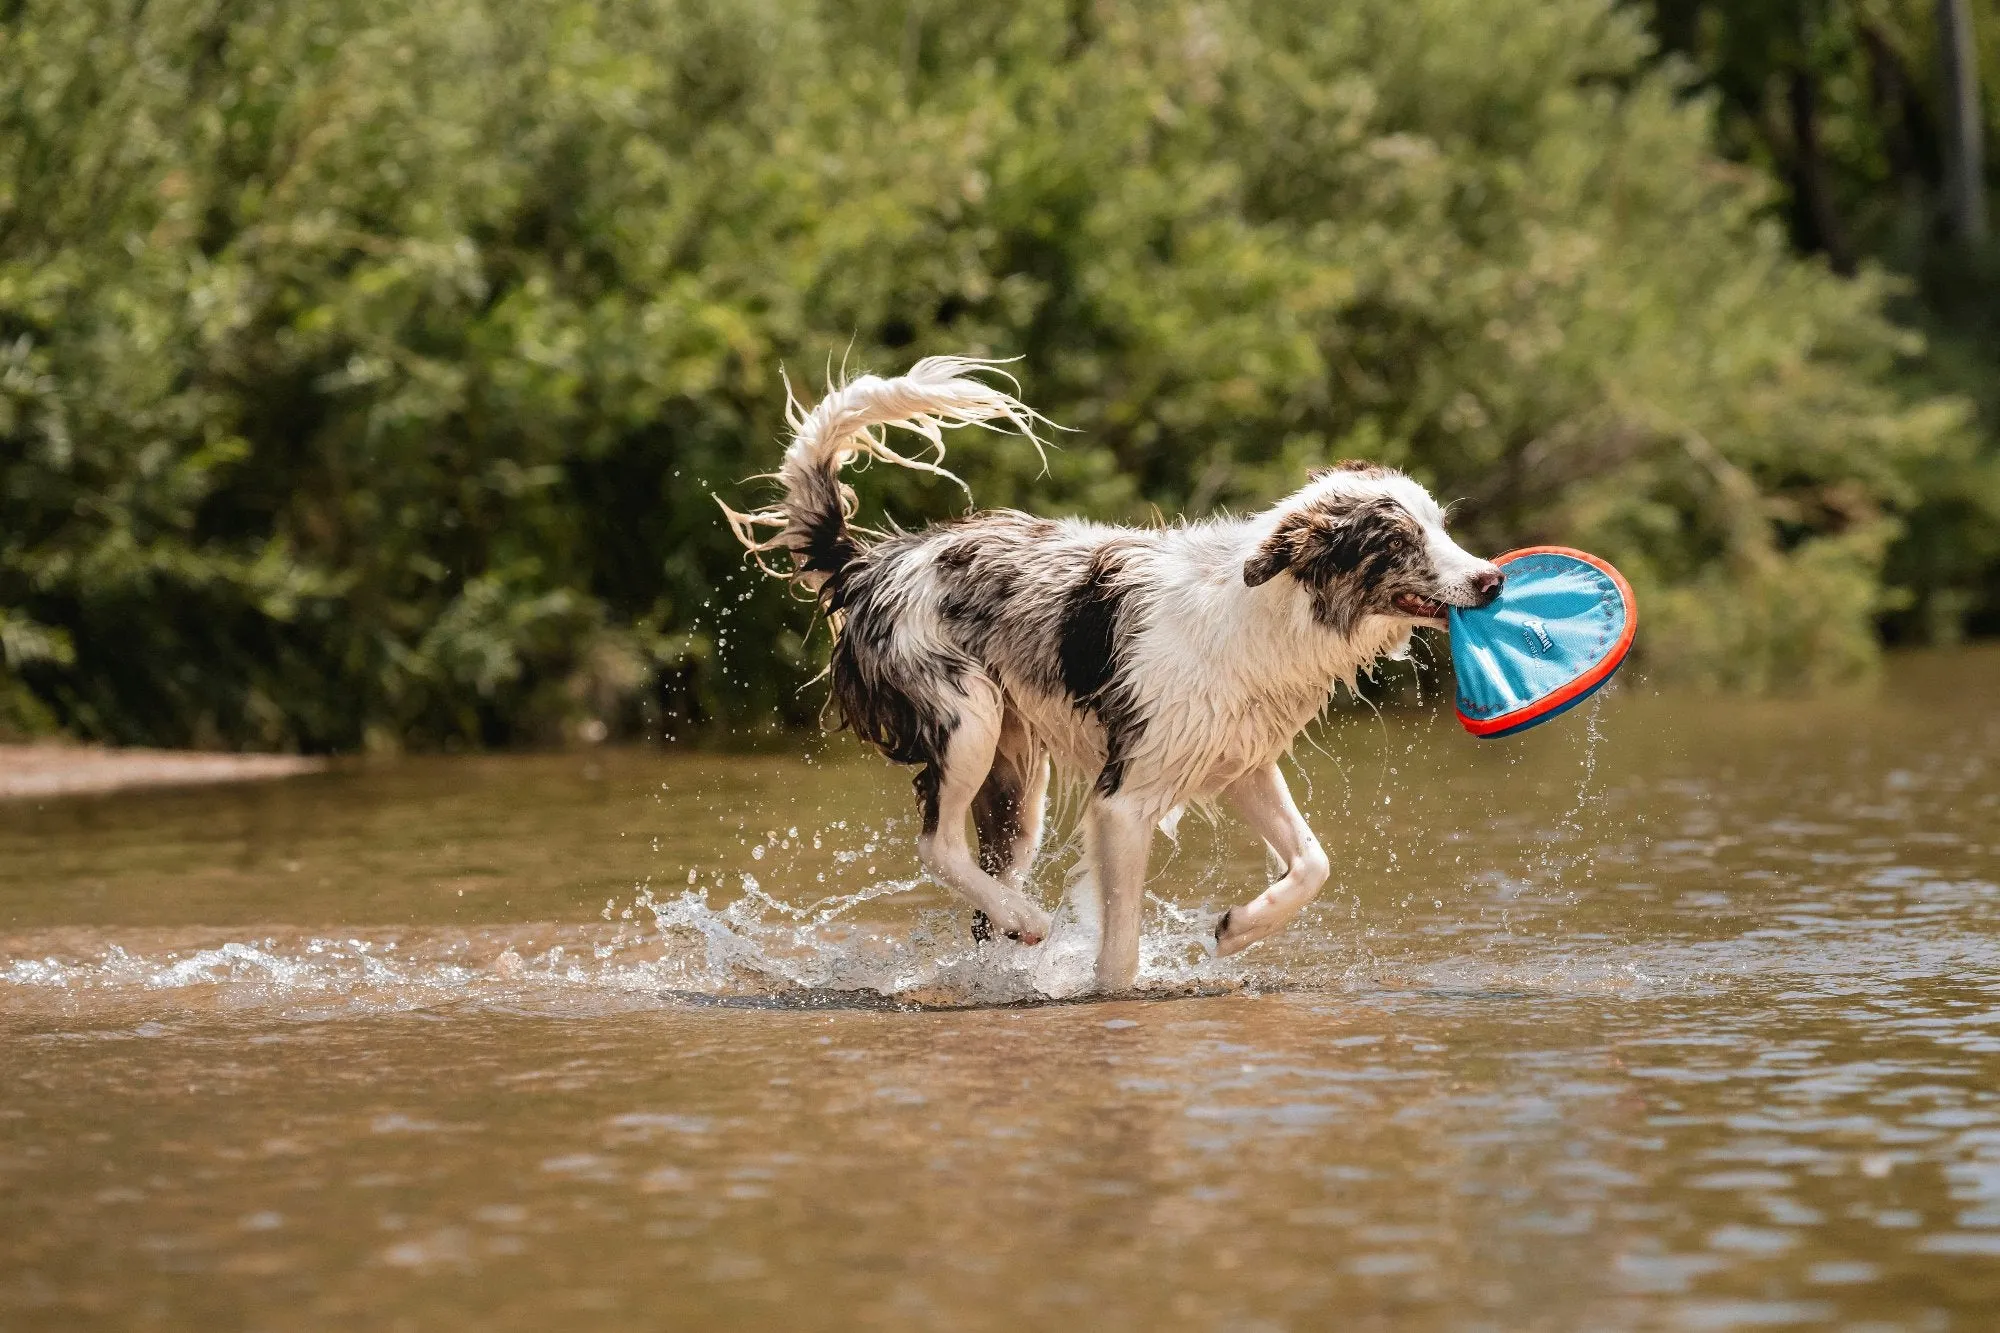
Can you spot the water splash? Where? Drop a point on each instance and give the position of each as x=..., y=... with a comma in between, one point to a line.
x=755, y=943
x=1569, y=846
x=747, y=948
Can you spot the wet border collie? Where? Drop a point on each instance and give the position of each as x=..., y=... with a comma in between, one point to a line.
x=1161, y=666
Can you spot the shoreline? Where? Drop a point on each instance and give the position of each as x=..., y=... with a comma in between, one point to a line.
x=28, y=772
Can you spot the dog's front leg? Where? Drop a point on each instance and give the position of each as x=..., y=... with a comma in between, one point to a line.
x=1265, y=803
x=1120, y=838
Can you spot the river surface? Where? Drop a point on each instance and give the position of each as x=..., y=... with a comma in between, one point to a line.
x=1672, y=1014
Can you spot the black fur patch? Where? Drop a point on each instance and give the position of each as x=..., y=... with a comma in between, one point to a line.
x=1090, y=657
x=926, y=783
x=996, y=815
x=1085, y=653
x=825, y=546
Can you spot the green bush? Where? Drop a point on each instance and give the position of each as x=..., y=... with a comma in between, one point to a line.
x=1844, y=106
x=366, y=366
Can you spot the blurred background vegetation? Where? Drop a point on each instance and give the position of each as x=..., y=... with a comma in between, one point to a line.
x=366, y=365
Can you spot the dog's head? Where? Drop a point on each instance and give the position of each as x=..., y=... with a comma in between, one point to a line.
x=1364, y=540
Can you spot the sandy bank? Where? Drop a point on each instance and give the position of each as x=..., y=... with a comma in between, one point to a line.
x=66, y=770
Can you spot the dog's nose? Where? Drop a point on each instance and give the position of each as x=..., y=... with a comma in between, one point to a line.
x=1487, y=583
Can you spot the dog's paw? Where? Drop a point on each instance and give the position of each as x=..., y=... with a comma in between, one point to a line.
x=1030, y=932
x=1034, y=929
x=1238, y=929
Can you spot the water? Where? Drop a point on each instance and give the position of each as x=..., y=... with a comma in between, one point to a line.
x=1679, y=1014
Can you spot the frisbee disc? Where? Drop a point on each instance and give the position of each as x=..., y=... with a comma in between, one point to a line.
x=1559, y=629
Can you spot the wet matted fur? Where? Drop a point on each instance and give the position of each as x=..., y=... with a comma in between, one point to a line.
x=1158, y=666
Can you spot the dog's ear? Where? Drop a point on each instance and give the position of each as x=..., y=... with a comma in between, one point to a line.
x=1274, y=554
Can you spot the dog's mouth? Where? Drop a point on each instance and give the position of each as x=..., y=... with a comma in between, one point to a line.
x=1417, y=608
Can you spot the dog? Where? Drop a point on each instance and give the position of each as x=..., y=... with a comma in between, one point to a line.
x=1160, y=666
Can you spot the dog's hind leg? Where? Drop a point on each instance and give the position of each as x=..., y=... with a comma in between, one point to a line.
x=955, y=780
x=1009, y=808
x=1265, y=803
x=1008, y=811
x=1118, y=838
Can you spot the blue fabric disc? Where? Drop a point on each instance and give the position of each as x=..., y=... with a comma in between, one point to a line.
x=1559, y=629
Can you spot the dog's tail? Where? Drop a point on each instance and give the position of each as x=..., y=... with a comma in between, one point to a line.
x=940, y=393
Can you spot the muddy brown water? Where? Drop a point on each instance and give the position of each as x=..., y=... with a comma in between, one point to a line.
x=1674, y=1014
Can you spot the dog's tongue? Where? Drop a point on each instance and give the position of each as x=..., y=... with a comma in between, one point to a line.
x=1559, y=629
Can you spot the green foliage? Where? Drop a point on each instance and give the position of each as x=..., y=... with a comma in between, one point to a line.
x=365, y=367
x=1842, y=103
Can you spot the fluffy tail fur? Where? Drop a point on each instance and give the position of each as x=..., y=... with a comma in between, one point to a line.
x=940, y=393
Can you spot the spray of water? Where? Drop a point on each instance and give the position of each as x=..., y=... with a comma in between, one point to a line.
x=704, y=943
